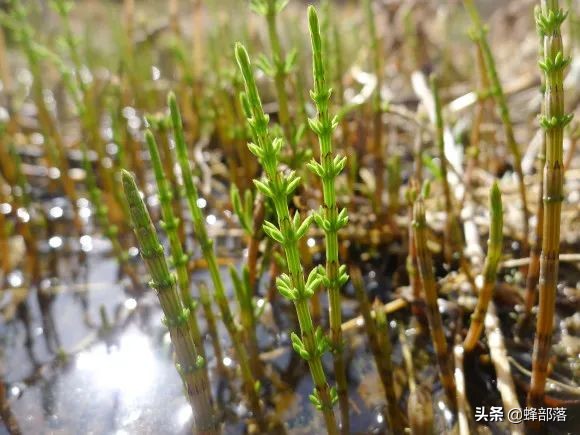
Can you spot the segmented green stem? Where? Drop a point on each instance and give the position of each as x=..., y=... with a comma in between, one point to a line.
x=536, y=249
x=206, y=245
x=553, y=120
x=494, y=249
x=190, y=364
x=433, y=316
x=329, y=218
x=170, y=224
x=278, y=186
x=480, y=37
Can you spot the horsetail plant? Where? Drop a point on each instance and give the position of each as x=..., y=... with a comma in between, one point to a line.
x=206, y=245
x=56, y=151
x=279, y=67
x=110, y=230
x=394, y=182
x=376, y=148
x=5, y=232
x=251, y=216
x=379, y=347
x=448, y=245
x=553, y=121
x=411, y=262
x=494, y=249
x=161, y=124
x=93, y=138
x=536, y=250
x=329, y=218
x=24, y=221
x=428, y=283
x=384, y=341
x=170, y=225
x=293, y=286
x=248, y=315
x=190, y=363
x=479, y=35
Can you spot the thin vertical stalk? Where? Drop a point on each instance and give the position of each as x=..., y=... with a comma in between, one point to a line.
x=419, y=402
x=4, y=236
x=280, y=72
x=170, y=224
x=206, y=245
x=190, y=364
x=433, y=316
x=376, y=341
x=278, y=186
x=329, y=218
x=536, y=250
x=258, y=218
x=161, y=125
x=412, y=264
x=21, y=199
x=205, y=300
x=494, y=249
x=479, y=35
x=102, y=218
x=57, y=153
x=553, y=120
x=244, y=296
x=384, y=342
x=448, y=248
x=376, y=146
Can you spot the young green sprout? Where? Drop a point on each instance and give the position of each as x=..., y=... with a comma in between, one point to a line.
x=293, y=286
x=329, y=218
x=190, y=364
x=494, y=248
x=553, y=121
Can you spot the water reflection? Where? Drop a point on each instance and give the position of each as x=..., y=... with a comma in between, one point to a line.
x=55, y=242
x=56, y=212
x=86, y=243
x=130, y=367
